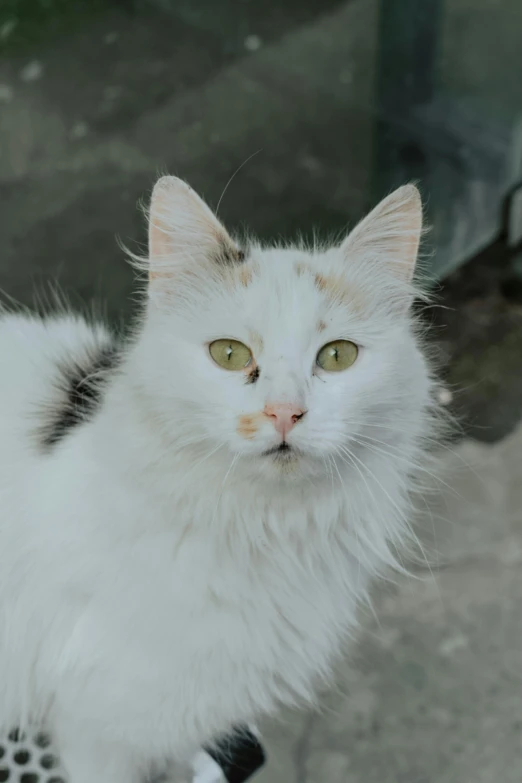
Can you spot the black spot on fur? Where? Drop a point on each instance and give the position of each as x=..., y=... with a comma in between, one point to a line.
x=229, y=255
x=82, y=386
x=239, y=755
x=254, y=375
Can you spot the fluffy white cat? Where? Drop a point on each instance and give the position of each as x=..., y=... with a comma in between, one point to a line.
x=188, y=521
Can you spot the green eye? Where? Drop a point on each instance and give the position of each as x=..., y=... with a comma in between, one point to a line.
x=337, y=356
x=230, y=354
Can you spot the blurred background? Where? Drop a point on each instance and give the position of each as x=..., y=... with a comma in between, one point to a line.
x=326, y=105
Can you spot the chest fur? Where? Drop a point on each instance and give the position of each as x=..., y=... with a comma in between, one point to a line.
x=259, y=629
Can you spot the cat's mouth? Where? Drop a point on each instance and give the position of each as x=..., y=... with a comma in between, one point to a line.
x=283, y=452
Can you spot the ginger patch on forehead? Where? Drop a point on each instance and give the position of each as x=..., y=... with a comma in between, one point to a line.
x=335, y=287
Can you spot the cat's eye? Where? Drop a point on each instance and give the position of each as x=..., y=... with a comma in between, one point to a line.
x=337, y=356
x=230, y=354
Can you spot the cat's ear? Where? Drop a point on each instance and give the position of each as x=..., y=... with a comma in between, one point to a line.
x=391, y=232
x=183, y=231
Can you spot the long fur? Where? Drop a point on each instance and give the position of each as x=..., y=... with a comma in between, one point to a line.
x=161, y=579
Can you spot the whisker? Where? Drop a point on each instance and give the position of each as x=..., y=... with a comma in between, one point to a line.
x=233, y=176
x=404, y=519
x=349, y=456
x=415, y=467
x=233, y=462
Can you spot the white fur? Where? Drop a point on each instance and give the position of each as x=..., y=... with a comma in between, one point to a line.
x=160, y=579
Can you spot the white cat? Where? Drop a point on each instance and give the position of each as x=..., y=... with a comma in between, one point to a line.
x=188, y=521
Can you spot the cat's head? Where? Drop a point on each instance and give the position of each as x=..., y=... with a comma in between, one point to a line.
x=284, y=360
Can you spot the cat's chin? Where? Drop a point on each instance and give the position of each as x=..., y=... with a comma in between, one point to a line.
x=286, y=461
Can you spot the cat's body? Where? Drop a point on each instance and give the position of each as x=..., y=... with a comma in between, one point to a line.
x=164, y=575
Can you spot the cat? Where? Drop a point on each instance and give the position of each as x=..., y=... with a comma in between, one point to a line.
x=190, y=517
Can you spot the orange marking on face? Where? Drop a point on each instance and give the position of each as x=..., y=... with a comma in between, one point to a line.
x=336, y=287
x=321, y=282
x=245, y=275
x=321, y=326
x=249, y=424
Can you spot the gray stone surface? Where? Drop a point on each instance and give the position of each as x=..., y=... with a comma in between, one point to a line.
x=432, y=692
x=88, y=120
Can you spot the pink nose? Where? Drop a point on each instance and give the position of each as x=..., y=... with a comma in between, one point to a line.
x=284, y=416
